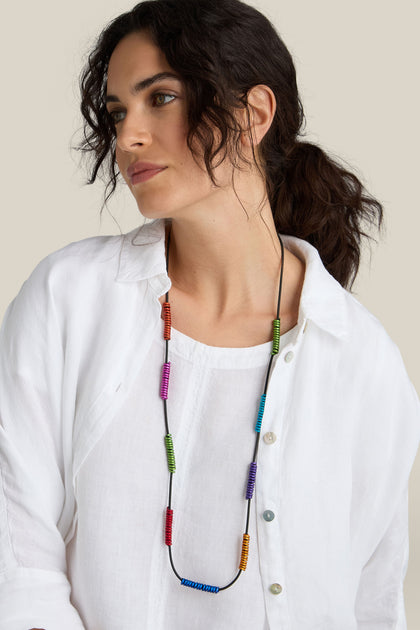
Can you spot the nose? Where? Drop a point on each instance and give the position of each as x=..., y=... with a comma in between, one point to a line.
x=133, y=131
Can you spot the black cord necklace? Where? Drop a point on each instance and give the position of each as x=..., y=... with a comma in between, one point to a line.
x=170, y=447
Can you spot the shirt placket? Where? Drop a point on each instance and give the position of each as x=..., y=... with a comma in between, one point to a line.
x=269, y=489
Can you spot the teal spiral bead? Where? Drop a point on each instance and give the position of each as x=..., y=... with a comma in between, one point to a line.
x=260, y=414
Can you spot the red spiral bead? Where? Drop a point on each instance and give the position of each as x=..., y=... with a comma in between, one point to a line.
x=168, y=526
x=167, y=319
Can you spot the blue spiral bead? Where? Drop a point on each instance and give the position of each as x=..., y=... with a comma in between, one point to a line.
x=260, y=414
x=199, y=586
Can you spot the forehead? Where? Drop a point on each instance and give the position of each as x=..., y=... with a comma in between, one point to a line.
x=135, y=56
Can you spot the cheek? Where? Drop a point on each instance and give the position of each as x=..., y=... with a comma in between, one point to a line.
x=120, y=162
x=173, y=140
x=193, y=164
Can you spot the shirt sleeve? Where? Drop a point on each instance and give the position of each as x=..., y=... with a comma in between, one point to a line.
x=36, y=496
x=380, y=597
x=387, y=444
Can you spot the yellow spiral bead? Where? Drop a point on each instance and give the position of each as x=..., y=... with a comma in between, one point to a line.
x=245, y=550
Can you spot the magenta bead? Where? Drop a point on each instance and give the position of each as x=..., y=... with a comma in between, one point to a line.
x=165, y=380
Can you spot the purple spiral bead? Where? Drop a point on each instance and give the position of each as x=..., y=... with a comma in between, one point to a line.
x=165, y=380
x=251, y=480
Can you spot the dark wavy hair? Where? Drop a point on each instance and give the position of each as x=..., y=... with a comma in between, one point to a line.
x=221, y=49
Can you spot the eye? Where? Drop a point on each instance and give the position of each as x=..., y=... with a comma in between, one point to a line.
x=115, y=116
x=159, y=98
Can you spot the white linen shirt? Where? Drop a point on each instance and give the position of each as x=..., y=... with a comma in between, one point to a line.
x=77, y=344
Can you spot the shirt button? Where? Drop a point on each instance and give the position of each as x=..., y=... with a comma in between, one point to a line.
x=276, y=589
x=288, y=357
x=268, y=516
x=270, y=437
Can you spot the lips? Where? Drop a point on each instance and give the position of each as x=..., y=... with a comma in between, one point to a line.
x=144, y=176
x=140, y=167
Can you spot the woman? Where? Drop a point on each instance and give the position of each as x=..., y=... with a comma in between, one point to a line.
x=259, y=479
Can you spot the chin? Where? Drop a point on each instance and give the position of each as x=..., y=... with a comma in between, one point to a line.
x=152, y=213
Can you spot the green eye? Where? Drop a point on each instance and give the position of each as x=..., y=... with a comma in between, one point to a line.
x=159, y=99
x=115, y=116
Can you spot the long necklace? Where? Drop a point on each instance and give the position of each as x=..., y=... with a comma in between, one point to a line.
x=170, y=447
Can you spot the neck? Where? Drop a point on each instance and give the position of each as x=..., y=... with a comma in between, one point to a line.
x=227, y=260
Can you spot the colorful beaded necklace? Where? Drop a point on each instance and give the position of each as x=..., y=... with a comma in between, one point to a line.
x=170, y=447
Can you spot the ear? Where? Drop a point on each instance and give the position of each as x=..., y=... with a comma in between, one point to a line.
x=262, y=107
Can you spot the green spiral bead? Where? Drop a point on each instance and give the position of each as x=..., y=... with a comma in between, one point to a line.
x=170, y=453
x=276, y=336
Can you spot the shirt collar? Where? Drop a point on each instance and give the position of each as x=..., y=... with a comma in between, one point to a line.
x=322, y=300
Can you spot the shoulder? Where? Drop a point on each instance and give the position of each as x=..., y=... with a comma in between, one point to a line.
x=135, y=255
x=349, y=338
x=367, y=335
x=373, y=369
x=361, y=321
x=87, y=255
x=335, y=310
x=68, y=274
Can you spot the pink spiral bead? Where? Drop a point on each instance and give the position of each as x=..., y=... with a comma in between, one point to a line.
x=168, y=526
x=165, y=380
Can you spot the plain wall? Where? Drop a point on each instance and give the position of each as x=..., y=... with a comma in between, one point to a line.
x=357, y=67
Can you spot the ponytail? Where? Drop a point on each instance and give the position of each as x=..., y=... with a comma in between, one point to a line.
x=318, y=200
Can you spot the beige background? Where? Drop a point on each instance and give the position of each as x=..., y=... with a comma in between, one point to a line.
x=358, y=73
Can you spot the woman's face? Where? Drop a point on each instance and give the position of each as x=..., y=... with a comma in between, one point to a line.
x=150, y=120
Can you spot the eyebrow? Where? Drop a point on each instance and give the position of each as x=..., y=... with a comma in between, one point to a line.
x=143, y=85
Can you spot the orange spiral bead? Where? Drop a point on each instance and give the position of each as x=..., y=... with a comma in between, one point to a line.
x=167, y=319
x=245, y=550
